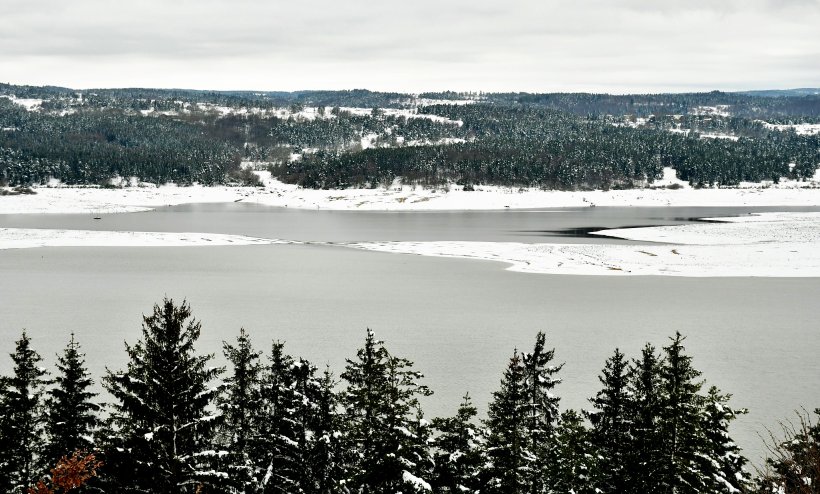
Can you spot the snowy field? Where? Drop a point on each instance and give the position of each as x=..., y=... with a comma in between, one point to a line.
x=768, y=244
x=400, y=197
x=24, y=238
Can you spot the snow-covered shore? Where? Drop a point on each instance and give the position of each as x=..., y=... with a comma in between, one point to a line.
x=772, y=245
x=403, y=197
x=24, y=238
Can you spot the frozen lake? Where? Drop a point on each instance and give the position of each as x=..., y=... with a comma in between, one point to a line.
x=458, y=320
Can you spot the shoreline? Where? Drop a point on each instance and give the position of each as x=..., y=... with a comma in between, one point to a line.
x=89, y=200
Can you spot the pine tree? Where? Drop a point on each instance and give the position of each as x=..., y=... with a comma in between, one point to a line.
x=509, y=460
x=459, y=451
x=681, y=422
x=542, y=411
x=242, y=408
x=643, y=460
x=611, y=424
x=23, y=419
x=384, y=430
x=163, y=417
x=72, y=416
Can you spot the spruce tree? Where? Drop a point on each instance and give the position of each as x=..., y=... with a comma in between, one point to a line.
x=242, y=407
x=328, y=457
x=542, y=411
x=71, y=413
x=643, y=460
x=23, y=419
x=458, y=451
x=681, y=422
x=722, y=464
x=576, y=468
x=611, y=424
x=163, y=414
x=277, y=449
x=385, y=433
x=509, y=460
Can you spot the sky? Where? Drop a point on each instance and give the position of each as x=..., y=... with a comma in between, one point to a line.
x=616, y=46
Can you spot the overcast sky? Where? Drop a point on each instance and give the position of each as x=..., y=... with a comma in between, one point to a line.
x=502, y=45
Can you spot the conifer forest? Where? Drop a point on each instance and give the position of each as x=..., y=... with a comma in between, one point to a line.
x=170, y=421
x=555, y=141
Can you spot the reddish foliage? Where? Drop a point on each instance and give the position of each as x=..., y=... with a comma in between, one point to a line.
x=70, y=473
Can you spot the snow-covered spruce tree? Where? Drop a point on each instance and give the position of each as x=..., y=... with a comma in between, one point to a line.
x=71, y=413
x=576, y=465
x=611, y=424
x=722, y=462
x=242, y=407
x=163, y=416
x=22, y=421
x=643, y=460
x=385, y=433
x=276, y=451
x=328, y=457
x=681, y=423
x=542, y=411
x=509, y=460
x=459, y=454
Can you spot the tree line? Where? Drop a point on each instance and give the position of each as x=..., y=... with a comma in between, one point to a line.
x=272, y=422
x=551, y=141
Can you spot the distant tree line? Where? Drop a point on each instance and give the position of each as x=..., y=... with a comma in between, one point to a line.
x=536, y=147
x=553, y=141
x=276, y=423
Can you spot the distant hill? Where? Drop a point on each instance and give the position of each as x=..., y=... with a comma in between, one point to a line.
x=778, y=93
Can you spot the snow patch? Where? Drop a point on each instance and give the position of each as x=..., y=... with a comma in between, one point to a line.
x=22, y=238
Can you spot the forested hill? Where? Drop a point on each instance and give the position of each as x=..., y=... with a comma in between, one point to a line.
x=360, y=138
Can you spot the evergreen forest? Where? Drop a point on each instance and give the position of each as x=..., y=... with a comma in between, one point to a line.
x=360, y=138
x=173, y=422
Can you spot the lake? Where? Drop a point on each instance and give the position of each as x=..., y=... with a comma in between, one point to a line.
x=458, y=320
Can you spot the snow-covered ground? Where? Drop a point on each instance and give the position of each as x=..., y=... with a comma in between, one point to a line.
x=25, y=238
x=776, y=245
x=799, y=129
x=400, y=197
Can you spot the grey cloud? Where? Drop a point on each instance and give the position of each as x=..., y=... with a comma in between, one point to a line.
x=516, y=44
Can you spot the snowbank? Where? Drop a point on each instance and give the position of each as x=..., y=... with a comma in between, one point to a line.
x=23, y=238
x=399, y=197
x=776, y=245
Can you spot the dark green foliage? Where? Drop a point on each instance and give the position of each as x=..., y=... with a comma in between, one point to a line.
x=459, y=451
x=680, y=422
x=553, y=141
x=242, y=411
x=611, y=425
x=644, y=457
x=72, y=416
x=542, y=411
x=509, y=460
x=21, y=418
x=576, y=468
x=384, y=430
x=723, y=460
x=163, y=416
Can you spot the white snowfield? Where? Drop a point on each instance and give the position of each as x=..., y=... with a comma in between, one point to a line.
x=769, y=244
x=399, y=197
x=25, y=238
